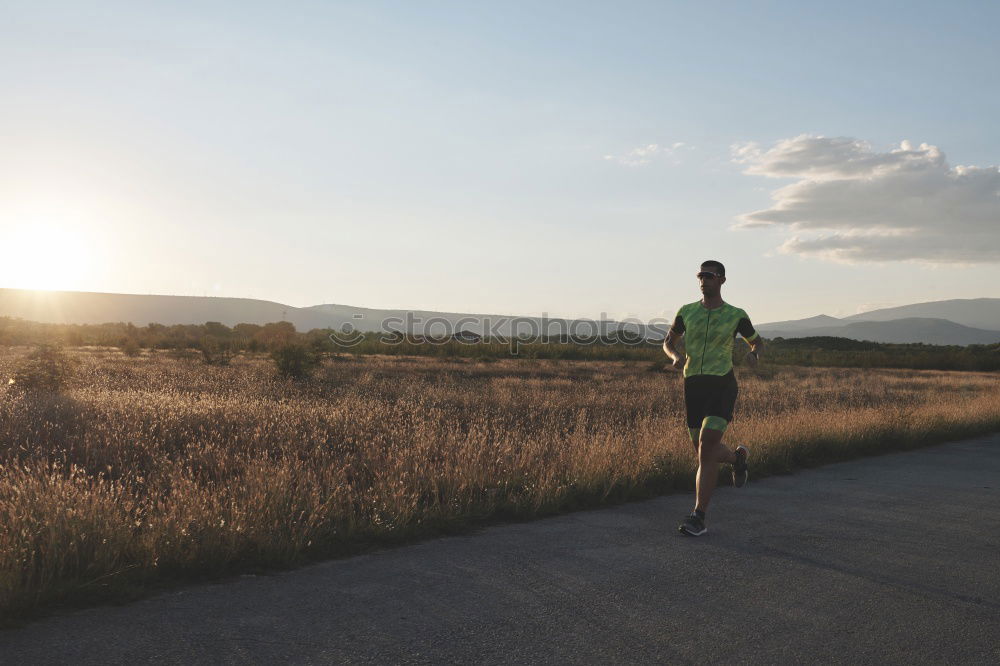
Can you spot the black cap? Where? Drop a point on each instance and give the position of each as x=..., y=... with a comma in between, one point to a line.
x=716, y=266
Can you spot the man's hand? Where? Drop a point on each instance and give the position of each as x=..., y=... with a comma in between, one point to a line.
x=676, y=356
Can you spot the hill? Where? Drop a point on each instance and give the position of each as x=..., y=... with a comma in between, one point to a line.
x=983, y=313
x=79, y=307
x=808, y=324
x=74, y=307
x=952, y=322
x=909, y=330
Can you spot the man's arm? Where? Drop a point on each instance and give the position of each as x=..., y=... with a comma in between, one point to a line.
x=670, y=343
x=752, y=338
x=670, y=347
x=756, y=347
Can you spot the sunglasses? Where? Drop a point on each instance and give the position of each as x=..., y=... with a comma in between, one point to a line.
x=708, y=275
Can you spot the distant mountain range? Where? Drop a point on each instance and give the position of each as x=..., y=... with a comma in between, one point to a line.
x=910, y=329
x=78, y=307
x=973, y=312
x=953, y=322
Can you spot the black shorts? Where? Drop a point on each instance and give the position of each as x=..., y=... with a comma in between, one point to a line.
x=709, y=395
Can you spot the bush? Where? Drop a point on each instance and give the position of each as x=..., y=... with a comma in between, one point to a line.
x=295, y=360
x=216, y=352
x=130, y=347
x=45, y=369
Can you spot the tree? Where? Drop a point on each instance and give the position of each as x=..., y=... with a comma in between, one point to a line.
x=217, y=330
x=276, y=334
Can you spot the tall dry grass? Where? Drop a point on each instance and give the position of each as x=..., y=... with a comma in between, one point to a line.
x=149, y=470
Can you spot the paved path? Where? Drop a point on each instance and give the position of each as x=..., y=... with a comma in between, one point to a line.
x=895, y=558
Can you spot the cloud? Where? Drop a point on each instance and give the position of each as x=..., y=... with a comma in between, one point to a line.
x=852, y=203
x=645, y=154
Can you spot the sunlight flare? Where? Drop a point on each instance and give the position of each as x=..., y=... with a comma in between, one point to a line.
x=46, y=255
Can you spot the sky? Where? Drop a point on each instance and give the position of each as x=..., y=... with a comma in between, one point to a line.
x=577, y=159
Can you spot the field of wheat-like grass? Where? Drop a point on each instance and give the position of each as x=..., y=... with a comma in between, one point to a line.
x=150, y=470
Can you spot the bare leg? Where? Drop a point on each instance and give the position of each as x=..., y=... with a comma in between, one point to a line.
x=711, y=452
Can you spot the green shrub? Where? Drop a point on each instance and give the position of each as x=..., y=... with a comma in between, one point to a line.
x=295, y=360
x=130, y=347
x=216, y=352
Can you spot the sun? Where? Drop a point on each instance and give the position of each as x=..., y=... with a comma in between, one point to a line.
x=45, y=256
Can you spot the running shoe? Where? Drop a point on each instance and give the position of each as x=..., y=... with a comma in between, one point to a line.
x=692, y=526
x=740, y=468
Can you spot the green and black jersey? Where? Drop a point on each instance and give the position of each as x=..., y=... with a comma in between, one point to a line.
x=709, y=336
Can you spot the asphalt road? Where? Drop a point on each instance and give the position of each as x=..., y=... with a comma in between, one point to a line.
x=888, y=559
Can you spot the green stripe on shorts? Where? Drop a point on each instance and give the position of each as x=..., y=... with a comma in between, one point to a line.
x=715, y=423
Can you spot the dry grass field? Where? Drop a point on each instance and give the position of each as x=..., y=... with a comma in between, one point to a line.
x=150, y=470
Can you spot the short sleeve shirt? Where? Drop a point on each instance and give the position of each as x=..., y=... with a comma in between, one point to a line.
x=709, y=336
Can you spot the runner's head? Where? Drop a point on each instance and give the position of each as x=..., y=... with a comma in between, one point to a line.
x=712, y=276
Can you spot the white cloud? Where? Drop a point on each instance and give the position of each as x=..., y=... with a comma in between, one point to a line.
x=645, y=154
x=851, y=203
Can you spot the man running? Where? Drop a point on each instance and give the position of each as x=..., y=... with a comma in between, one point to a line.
x=709, y=327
